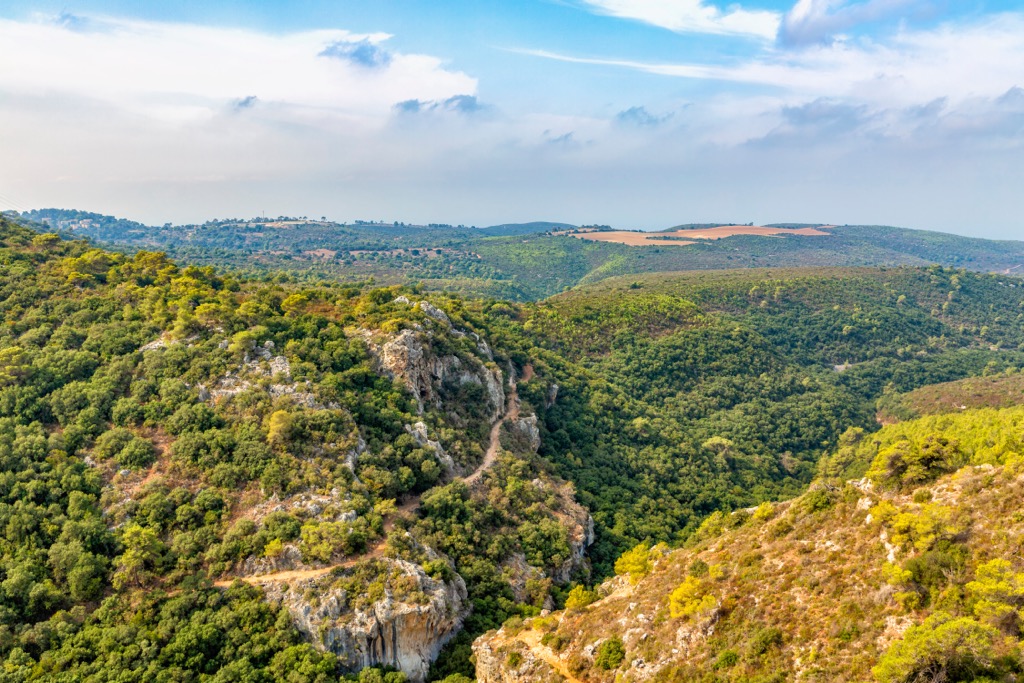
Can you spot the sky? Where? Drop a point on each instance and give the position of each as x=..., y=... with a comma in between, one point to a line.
x=632, y=113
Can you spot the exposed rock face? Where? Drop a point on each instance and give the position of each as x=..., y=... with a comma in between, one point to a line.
x=494, y=654
x=552, y=396
x=527, y=428
x=580, y=525
x=407, y=356
x=262, y=363
x=406, y=629
x=418, y=432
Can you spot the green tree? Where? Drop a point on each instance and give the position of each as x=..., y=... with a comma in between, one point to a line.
x=943, y=648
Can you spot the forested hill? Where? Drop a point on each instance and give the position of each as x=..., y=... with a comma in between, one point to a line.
x=210, y=478
x=910, y=574
x=517, y=261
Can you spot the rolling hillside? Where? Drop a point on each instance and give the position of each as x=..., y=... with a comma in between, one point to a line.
x=522, y=261
x=310, y=480
x=912, y=574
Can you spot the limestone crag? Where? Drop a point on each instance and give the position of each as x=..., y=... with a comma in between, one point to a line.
x=418, y=431
x=257, y=366
x=526, y=428
x=408, y=356
x=405, y=629
x=580, y=526
x=494, y=655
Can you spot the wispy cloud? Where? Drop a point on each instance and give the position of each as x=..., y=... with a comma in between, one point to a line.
x=913, y=67
x=816, y=21
x=165, y=70
x=693, y=16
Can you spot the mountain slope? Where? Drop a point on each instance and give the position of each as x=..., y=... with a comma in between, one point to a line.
x=679, y=395
x=515, y=261
x=894, y=578
x=305, y=478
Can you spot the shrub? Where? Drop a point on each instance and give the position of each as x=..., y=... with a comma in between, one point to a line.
x=998, y=592
x=689, y=599
x=727, y=659
x=818, y=499
x=907, y=463
x=943, y=648
x=610, y=654
x=764, y=512
x=764, y=640
x=138, y=453
x=579, y=597
x=698, y=568
x=636, y=563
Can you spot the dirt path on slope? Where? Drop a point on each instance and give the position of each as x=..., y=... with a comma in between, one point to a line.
x=494, y=445
x=531, y=639
x=490, y=457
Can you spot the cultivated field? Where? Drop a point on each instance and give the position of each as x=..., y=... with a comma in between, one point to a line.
x=685, y=237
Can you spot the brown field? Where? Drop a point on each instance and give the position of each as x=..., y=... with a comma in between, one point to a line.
x=639, y=239
x=634, y=239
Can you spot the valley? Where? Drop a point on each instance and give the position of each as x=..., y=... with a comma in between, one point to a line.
x=366, y=481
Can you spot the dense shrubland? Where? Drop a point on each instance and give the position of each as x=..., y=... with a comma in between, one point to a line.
x=889, y=579
x=680, y=395
x=149, y=412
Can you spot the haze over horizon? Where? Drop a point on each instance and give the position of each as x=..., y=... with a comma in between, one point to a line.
x=632, y=113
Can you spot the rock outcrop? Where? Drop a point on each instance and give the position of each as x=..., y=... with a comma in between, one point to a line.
x=495, y=658
x=580, y=527
x=405, y=629
x=526, y=428
x=262, y=364
x=408, y=357
x=418, y=431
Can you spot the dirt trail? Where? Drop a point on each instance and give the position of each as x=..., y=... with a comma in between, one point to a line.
x=410, y=506
x=531, y=639
x=494, y=445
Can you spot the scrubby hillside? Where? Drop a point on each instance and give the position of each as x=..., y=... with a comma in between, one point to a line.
x=255, y=477
x=169, y=435
x=683, y=394
x=912, y=574
x=520, y=262
x=998, y=390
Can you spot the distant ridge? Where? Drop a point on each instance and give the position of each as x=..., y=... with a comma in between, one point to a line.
x=511, y=229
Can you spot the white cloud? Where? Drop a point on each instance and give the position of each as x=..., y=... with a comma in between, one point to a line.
x=693, y=16
x=913, y=67
x=815, y=21
x=181, y=72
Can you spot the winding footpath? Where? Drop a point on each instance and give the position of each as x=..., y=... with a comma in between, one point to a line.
x=494, y=445
x=531, y=639
x=376, y=550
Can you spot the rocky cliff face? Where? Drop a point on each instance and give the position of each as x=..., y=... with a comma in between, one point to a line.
x=503, y=660
x=405, y=628
x=807, y=590
x=409, y=357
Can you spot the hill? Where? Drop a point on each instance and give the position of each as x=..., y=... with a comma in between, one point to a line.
x=912, y=574
x=275, y=473
x=990, y=391
x=522, y=262
x=506, y=229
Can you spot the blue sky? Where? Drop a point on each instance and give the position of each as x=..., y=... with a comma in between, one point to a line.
x=635, y=113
